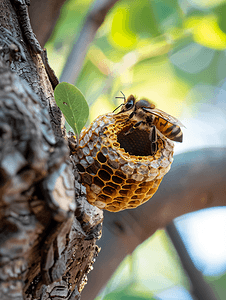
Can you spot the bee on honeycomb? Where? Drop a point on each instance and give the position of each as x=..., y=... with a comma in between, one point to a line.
x=122, y=157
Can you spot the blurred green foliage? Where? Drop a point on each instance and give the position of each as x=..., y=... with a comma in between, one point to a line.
x=218, y=285
x=159, y=49
x=152, y=268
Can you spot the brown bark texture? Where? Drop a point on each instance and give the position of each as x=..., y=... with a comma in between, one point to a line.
x=48, y=231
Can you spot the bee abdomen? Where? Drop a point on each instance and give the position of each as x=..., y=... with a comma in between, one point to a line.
x=173, y=132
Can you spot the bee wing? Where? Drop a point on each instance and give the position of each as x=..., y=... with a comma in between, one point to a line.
x=164, y=116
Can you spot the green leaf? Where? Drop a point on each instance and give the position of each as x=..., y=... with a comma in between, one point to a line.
x=73, y=105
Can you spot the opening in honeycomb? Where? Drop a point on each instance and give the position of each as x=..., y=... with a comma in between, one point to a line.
x=135, y=143
x=118, y=169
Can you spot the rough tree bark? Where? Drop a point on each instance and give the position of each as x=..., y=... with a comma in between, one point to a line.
x=48, y=231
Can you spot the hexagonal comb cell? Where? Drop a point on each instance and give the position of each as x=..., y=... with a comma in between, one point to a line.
x=118, y=169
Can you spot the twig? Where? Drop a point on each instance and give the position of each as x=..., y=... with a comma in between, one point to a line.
x=201, y=289
x=93, y=21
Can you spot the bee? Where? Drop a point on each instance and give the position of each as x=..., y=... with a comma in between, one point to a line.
x=148, y=116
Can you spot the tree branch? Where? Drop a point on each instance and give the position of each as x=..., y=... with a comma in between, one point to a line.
x=44, y=15
x=195, y=181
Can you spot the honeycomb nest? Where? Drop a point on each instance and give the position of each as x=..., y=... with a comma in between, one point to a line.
x=118, y=169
